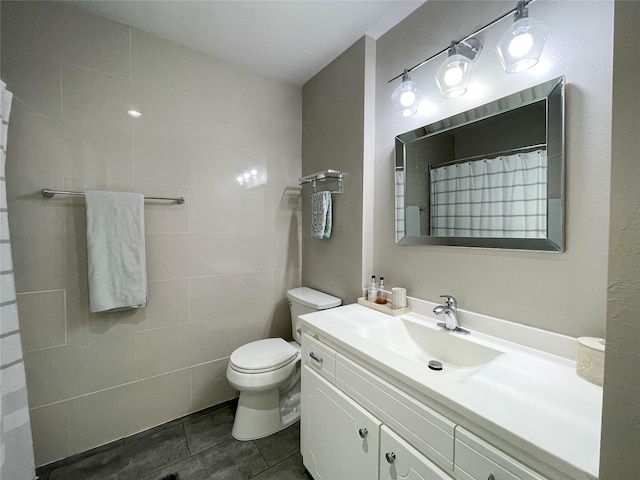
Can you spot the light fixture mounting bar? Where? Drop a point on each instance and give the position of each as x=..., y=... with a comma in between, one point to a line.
x=521, y=4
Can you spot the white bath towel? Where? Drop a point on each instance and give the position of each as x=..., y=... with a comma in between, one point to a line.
x=116, y=251
x=321, y=215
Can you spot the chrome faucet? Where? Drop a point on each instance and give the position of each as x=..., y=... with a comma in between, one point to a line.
x=450, y=311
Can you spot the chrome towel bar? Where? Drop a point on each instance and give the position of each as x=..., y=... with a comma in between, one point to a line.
x=48, y=193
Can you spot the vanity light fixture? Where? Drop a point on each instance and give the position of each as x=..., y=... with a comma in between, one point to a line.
x=521, y=45
x=406, y=97
x=453, y=75
x=519, y=49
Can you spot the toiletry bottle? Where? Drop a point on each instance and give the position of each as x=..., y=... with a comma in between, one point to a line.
x=380, y=296
x=372, y=291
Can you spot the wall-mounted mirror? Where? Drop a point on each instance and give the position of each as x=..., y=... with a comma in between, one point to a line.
x=490, y=177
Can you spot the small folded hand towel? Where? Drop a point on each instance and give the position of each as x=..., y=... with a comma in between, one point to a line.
x=321, y=215
x=116, y=251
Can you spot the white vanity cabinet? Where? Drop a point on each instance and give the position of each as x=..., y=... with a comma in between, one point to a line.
x=357, y=426
x=340, y=440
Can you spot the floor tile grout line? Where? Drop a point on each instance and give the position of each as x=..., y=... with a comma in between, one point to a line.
x=202, y=452
x=167, y=467
x=157, y=471
x=255, y=444
x=261, y=455
x=181, y=446
x=266, y=464
x=275, y=464
x=210, y=447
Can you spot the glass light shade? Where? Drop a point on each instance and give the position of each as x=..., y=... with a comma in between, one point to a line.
x=521, y=45
x=453, y=75
x=406, y=98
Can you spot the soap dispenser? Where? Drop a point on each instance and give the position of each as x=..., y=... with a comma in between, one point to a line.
x=380, y=295
x=372, y=291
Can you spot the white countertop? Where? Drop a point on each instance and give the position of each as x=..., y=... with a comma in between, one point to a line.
x=528, y=397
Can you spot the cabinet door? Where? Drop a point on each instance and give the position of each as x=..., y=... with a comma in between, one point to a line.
x=399, y=460
x=340, y=439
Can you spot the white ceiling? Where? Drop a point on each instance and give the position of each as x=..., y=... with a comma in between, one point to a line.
x=287, y=39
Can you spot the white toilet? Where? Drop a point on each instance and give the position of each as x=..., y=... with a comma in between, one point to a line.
x=267, y=373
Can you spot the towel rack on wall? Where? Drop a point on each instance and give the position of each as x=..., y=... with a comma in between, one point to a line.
x=326, y=178
x=48, y=193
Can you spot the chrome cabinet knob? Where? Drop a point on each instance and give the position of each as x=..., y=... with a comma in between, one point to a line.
x=390, y=456
x=363, y=432
x=491, y=477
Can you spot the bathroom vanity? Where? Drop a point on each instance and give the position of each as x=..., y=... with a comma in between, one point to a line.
x=506, y=405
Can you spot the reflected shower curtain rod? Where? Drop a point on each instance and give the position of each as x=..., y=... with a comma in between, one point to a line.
x=491, y=156
x=48, y=193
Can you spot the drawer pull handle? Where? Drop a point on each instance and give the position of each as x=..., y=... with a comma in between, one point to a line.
x=390, y=456
x=315, y=358
x=299, y=330
x=491, y=477
x=363, y=432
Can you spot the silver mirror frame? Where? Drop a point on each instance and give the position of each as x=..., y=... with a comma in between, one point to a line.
x=552, y=92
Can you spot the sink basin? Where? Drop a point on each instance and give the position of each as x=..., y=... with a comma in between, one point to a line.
x=423, y=341
x=449, y=347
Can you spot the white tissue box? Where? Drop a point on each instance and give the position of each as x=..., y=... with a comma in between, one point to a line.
x=590, y=364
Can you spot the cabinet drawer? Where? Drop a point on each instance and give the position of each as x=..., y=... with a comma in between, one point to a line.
x=319, y=357
x=425, y=429
x=478, y=460
x=398, y=459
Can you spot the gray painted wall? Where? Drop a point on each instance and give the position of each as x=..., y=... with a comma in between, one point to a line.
x=333, y=137
x=621, y=415
x=564, y=292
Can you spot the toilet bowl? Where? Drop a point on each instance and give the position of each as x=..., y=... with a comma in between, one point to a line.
x=267, y=373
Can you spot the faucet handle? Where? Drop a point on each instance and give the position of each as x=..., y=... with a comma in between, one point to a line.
x=451, y=302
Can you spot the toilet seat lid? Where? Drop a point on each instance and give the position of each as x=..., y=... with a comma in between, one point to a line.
x=263, y=356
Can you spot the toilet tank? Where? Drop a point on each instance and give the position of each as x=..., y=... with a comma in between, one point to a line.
x=307, y=300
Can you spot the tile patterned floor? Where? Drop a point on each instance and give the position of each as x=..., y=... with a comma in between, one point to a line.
x=197, y=447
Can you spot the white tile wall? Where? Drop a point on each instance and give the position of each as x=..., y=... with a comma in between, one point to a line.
x=218, y=266
x=36, y=80
x=126, y=409
x=52, y=424
x=35, y=333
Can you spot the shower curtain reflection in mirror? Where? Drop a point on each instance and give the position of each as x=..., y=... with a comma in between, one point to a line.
x=503, y=197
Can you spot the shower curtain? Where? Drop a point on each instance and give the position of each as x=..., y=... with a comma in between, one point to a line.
x=400, y=227
x=500, y=197
x=16, y=445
